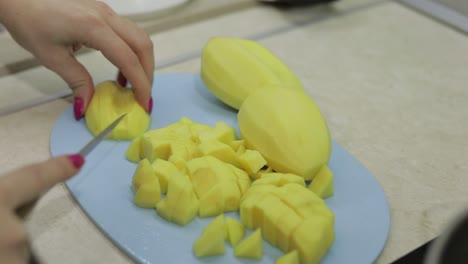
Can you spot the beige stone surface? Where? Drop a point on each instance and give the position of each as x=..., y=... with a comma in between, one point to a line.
x=13, y=58
x=390, y=82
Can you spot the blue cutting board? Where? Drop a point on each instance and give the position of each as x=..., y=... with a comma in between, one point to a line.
x=103, y=188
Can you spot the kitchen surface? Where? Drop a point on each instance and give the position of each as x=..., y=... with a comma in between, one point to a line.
x=389, y=77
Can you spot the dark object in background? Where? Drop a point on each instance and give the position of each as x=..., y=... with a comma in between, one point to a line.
x=296, y=2
x=416, y=256
x=451, y=247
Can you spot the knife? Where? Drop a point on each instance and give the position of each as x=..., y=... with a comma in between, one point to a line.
x=95, y=141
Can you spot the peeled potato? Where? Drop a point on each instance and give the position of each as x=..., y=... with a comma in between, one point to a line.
x=288, y=129
x=232, y=68
x=109, y=102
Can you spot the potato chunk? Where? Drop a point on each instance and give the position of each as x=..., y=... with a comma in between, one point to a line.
x=110, y=101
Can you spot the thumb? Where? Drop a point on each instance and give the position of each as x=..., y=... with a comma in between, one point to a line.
x=75, y=75
x=27, y=183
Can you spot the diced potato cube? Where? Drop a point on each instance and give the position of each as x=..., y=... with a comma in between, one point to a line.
x=240, y=150
x=290, y=258
x=231, y=195
x=180, y=204
x=134, y=151
x=261, y=172
x=155, y=149
x=186, y=120
x=315, y=233
x=182, y=149
x=221, y=132
x=306, y=203
x=243, y=180
x=226, y=132
x=203, y=180
x=179, y=162
x=270, y=219
x=211, y=203
x=164, y=170
x=148, y=195
x=235, y=231
x=286, y=224
x=219, y=150
x=143, y=173
x=252, y=161
x=322, y=184
x=251, y=247
x=280, y=179
x=236, y=144
x=211, y=241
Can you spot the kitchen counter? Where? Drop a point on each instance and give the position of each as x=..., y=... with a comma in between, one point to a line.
x=13, y=58
x=391, y=83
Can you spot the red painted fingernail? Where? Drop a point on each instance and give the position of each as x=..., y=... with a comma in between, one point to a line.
x=78, y=108
x=150, y=105
x=121, y=79
x=77, y=160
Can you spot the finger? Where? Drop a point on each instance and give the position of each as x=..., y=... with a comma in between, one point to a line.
x=13, y=238
x=25, y=184
x=12, y=231
x=122, y=56
x=64, y=63
x=136, y=38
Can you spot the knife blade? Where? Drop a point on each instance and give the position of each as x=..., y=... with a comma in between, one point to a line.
x=95, y=141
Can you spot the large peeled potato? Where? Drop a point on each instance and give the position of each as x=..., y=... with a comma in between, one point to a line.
x=110, y=101
x=288, y=129
x=232, y=68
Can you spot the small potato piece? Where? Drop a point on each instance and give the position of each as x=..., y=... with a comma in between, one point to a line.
x=252, y=161
x=290, y=258
x=251, y=247
x=211, y=241
x=148, y=195
x=322, y=185
x=110, y=101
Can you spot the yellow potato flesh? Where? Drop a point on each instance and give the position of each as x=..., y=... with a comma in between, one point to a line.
x=148, y=194
x=284, y=213
x=288, y=129
x=290, y=258
x=235, y=231
x=143, y=173
x=251, y=247
x=233, y=68
x=220, y=151
x=200, y=180
x=211, y=241
x=164, y=170
x=322, y=185
x=206, y=173
x=313, y=233
x=280, y=179
x=133, y=152
x=180, y=204
x=110, y=101
x=252, y=161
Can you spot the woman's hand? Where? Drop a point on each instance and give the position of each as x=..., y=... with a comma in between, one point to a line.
x=53, y=30
x=20, y=187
